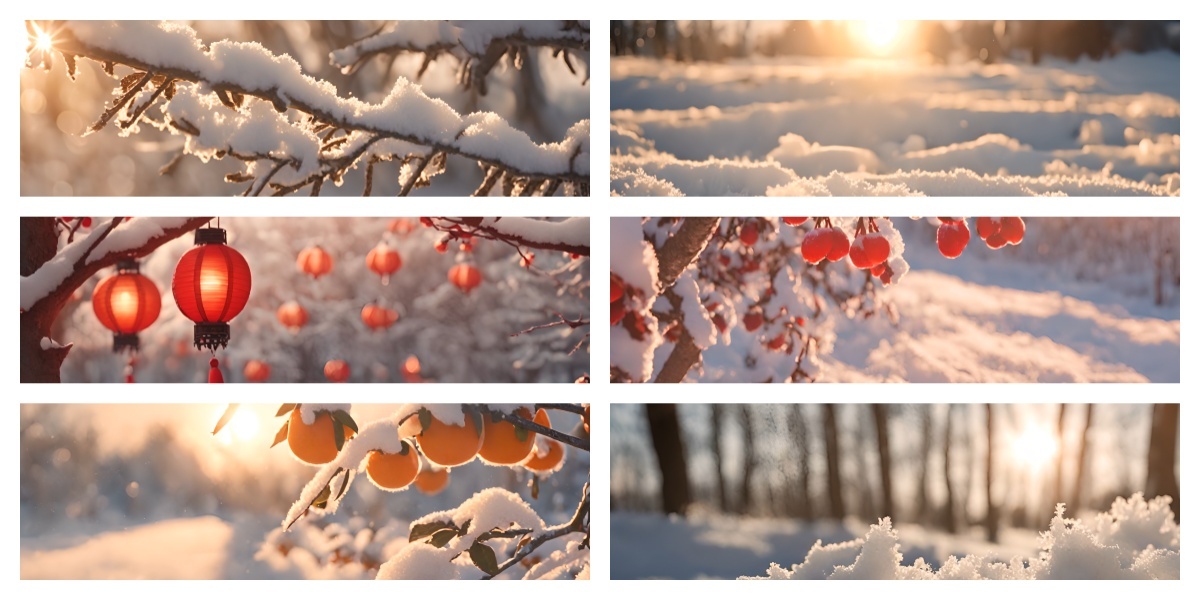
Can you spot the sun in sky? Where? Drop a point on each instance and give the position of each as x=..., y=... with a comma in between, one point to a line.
x=1034, y=448
x=881, y=38
x=242, y=428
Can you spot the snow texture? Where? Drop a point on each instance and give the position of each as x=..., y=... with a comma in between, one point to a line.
x=815, y=127
x=1135, y=539
x=473, y=36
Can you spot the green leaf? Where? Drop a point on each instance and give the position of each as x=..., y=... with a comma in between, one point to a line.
x=225, y=417
x=339, y=436
x=280, y=435
x=285, y=409
x=441, y=537
x=484, y=557
x=344, y=418
x=522, y=433
x=426, y=419
x=322, y=499
x=462, y=529
x=421, y=530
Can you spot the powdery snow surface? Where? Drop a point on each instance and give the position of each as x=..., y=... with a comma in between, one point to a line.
x=815, y=127
x=156, y=550
x=406, y=111
x=474, y=36
x=634, y=261
x=1135, y=539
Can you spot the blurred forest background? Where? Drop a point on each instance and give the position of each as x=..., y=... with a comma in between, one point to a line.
x=941, y=41
x=945, y=466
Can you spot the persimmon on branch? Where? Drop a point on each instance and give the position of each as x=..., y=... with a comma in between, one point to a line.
x=477, y=54
x=234, y=100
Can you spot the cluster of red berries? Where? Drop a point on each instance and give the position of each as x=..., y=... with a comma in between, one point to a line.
x=616, y=295
x=954, y=234
x=84, y=222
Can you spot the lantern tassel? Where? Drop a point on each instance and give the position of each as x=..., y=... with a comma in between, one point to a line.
x=129, y=371
x=214, y=372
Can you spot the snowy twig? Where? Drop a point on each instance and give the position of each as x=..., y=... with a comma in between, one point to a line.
x=561, y=321
x=496, y=229
x=567, y=439
x=578, y=524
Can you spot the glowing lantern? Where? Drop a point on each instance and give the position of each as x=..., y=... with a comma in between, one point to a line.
x=125, y=303
x=465, y=277
x=377, y=317
x=211, y=286
x=314, y=261
x=384, y=260
x=256, y=371
x=401, y=226
x=337, y=371
x=411, y=370
x=292, y=315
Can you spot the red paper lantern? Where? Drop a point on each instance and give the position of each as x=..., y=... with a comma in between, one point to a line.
x=314, y=261
x=125, y=303
x=411, y=369
x=211, y=286
x=465, y=277
x=377, y=317
x=401, y=226
x=292, y=315
x=337, y=371
x=256, y=371
x=384, y=260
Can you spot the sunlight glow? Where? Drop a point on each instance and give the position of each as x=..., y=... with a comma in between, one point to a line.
x=44, y=41
x=1034, y=448
x=242, y=428
x=880, y=37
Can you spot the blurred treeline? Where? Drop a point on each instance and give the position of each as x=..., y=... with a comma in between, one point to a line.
x=943, y=41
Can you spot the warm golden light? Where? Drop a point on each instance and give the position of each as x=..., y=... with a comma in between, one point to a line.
x=242, y=428
x=880, y=37
x=44, y=41
x=1034, y=448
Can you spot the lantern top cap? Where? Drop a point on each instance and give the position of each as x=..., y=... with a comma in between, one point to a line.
x=210, y=235
x=127, y=265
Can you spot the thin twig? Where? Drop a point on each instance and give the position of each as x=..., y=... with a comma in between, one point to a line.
x=577, y=524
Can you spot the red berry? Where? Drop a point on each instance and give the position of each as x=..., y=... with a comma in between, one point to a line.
x=87, y=222
x=711, y=306
x=719, y=321
x=794, y=221
x=777, y=342
x=952, y=238
x=800, y=321
x=616, y=287
x=878, y=269
x=574, y=256
x=749, y=233
x=816, y=245
x=527, y=260
x=985, y=227
x=996, y=240
x=753, y=320
x=869, y=250
x=672, y=332
x=440, y=247
x=840, y=246
x=1013, y=229
x=616, y=312
x=724, y=260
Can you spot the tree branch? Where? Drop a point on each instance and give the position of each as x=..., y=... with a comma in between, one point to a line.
x=577, y=524
x=479, y=228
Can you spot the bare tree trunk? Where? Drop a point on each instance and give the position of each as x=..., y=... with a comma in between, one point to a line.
x=717, y=421
x=992, y=520
x=799, y=430
x=1164, y=439
x=833, y=476
x=1081, y=464
x=663, y=421
x=950, y=522
x=922, y=501
x=880, y=412
x=749, y=459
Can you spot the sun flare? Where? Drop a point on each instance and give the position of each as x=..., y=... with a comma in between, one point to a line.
x=1034, y=448
x=43, y=41
x=243, y=427
x=880, y=37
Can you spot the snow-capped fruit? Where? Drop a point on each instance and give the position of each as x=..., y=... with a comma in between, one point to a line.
x=877, y=248
x=1013, y=229
x=505, y=443
x=749, y=233
x=839, y=246
x=952, y=238
x=777, y=342
x=985, y=227
x=616, y=287
x=753, y=320
x=393, y=472
x=816, y=244
x=720, y=323
x=616, y=312
x=878, y=269
x=451, y=445
x=794, y=221
x=441, y=247
x=996, y=240
x=314, y=444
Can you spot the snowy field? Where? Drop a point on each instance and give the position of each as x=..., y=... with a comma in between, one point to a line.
x=863, y=127
x=1134, y=539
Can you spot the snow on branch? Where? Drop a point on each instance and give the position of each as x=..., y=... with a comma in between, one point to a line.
x=204, y=92
x=101, y=248
x=570, y=235
x=478, y=45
